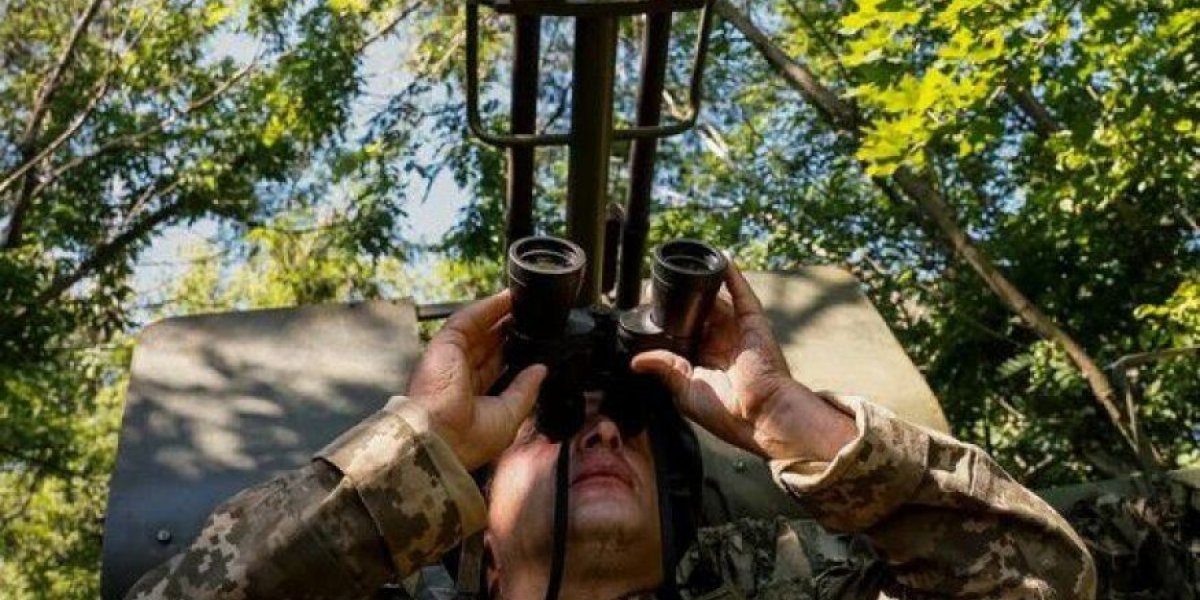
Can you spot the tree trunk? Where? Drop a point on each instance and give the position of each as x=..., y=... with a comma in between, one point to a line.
x=844, y=117
x=932, y=203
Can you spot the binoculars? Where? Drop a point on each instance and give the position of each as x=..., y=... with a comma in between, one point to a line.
x=588, y=349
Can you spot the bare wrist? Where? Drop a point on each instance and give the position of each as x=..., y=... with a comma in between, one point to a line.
x=422, y=417
x=798, y=423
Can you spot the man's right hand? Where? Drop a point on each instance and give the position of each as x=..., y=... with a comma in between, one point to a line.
x=451, y=381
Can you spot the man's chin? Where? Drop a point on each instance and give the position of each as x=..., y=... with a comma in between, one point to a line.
x=596, y=509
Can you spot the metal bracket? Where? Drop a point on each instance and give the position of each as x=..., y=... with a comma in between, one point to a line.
x=511, y=140
x=591, y=8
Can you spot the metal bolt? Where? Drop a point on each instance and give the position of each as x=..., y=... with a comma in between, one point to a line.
x=163, y=536
x=739, y=465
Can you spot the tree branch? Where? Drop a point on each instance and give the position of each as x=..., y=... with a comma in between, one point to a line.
x=93, y=101
x=922, y=192
x=25, y=196
x=11, y=239
x=48, y=88
x=839, y=113
x=390, y=25
x=16, y=221
x=822, y=39
x=931, y=202
x=1044, y=123
x=29, y=191
x=58, y=141
x=101, y=257
x=710, y=136
x=106, y=252
x=132, y=140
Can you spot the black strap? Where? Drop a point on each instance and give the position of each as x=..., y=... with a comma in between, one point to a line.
x=666, y=519
x=470, y=568
x=561, y=486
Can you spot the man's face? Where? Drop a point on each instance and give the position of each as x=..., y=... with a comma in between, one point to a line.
x=613, y=507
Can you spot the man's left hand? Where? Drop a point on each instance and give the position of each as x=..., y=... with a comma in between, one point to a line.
x=742, y=390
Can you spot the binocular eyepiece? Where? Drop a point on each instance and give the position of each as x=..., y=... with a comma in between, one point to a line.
x=544, y=274
x=590, y=348
x=685, y=277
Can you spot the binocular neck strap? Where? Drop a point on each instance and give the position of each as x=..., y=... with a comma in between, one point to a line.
x=669, y=589
x=562, y=484
x=666, y=519
x=470, y=569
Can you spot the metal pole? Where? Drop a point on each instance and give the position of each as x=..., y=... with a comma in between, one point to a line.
x=519, y=218
x=591, y=139
x=655, y=43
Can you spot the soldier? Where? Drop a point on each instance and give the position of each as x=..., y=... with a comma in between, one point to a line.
x=920, y=515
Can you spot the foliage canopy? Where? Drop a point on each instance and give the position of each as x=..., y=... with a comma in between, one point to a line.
x=1062, y=136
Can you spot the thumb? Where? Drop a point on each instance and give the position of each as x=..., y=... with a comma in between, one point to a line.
x=521, y=394
x=674, y=370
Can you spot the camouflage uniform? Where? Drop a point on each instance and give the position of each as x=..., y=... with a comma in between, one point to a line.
x=1145, y=541
x=901, y=512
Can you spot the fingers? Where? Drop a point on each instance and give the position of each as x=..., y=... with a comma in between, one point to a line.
x=486, y=348
x=745, y=302
x=721, y=318
x=488, y=372
x=680, y=378
x=477, y=318
x=521, y=394
x=674, y=370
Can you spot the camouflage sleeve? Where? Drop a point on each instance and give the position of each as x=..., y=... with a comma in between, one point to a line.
x=945, y=518
x=385, y=498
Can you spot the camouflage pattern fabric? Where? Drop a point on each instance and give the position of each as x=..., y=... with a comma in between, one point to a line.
x=779, y=559
x=1146, y=546
x=385, y=498
x=918, y=515
x=944, y=517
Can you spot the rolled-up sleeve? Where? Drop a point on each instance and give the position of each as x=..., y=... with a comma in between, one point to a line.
x=385, y=498
x=946, y=519
x=419, y=496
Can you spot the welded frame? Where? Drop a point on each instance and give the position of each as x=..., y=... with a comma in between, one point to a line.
x=591, y=134
x=513, y=139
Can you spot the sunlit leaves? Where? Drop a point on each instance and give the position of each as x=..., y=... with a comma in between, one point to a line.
x=1090, y=211
x=1179, y=316
x=294, y=260
x=925, y=67
x=223, y=110
x=349, y=6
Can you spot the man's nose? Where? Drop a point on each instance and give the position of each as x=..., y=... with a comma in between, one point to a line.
x=600, y=432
